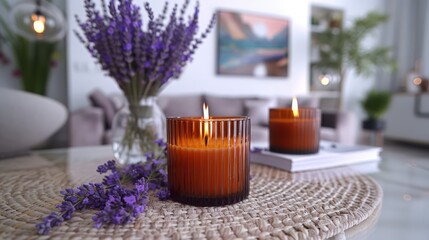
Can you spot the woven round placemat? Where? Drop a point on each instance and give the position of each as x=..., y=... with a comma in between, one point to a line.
x=308, y=205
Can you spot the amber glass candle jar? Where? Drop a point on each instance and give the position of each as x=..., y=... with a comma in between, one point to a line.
x=208, y=160
x=294, y=133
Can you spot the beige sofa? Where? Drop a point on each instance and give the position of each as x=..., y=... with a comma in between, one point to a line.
x=92, y=125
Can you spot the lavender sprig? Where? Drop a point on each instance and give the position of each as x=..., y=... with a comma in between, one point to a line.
x=123, y=205
x=141, y=60
x=120, y=198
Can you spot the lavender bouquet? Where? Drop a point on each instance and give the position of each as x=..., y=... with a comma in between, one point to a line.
x=142, y=61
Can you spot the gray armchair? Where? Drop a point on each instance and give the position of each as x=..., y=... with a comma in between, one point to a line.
x=27, y=120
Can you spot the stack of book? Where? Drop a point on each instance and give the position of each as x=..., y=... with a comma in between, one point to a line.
x=330, y=155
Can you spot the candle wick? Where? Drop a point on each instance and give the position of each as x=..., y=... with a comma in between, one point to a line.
x=206, y=139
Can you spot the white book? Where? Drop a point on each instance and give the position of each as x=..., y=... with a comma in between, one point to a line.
x=330, y=155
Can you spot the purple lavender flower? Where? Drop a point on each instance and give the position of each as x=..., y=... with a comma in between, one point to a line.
x=52, y=220
x=111, y=179
x=134, y=56
x=130, y=200
x=67, y=209
x=155, y=171
x=135, y=172
x=257, y=150
x=163, y=177
x=161, y=143
x=120, y=198
x=123, y=205
x=141, y=186
x=163, y=194
x=109, y=165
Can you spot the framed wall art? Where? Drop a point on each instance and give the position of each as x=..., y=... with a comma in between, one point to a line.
x=252, y=45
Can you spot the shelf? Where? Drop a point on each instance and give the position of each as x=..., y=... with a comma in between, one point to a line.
x=322, y=19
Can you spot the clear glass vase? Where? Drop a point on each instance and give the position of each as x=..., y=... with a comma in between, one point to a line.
x=135, y=129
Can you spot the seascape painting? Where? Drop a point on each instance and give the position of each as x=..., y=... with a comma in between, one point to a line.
x=252, y=45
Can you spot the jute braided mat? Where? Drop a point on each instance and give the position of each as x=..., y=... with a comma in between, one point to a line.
x=308, y=205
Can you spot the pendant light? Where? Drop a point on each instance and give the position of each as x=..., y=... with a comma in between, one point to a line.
x=38, y=20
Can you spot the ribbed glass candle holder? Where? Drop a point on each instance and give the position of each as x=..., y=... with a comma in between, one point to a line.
x=208, y=160
x=294, y=134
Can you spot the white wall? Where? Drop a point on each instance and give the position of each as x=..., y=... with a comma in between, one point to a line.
x=425, y=60
x=199, y=76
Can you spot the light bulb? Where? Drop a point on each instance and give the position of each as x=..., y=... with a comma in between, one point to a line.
x=325, y=79
x=417, y=81
x=38, y=23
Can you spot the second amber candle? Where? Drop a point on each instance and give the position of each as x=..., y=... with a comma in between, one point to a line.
x=208, y=160
x=297, y=133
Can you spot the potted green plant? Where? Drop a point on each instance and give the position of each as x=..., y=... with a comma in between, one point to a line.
x=342, y=50
x=375, y=105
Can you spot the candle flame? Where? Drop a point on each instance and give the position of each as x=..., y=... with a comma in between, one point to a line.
x=206, y=124
x=205, y=111
x=295, y=107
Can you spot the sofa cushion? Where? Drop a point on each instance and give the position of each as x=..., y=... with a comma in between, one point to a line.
x=303, y=101
x=118, y=100
x=258, y=110
x=259, y=134
x=99, y=99
x=86, y=127
x=225, y=106
x=181, y=105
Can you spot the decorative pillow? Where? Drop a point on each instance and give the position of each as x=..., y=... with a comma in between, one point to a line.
x=118, y=100
x=181, y=105
x=302, y=102
x=284, y=102
x=225, y=106
x=99, y=99
x=308, y=101
x=258, y=110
